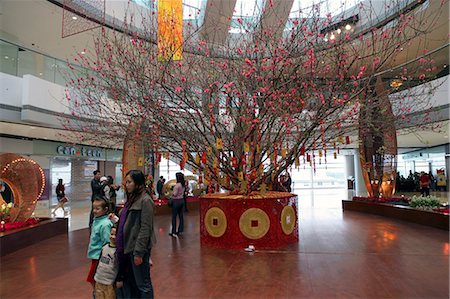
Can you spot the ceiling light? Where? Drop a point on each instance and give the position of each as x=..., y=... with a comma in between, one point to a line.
x=332, y=36
x=82, y=52
x=74, y=18
x=348, y=27
x=40, y=74
x=325, y=39
x=338, y=31
x=6, y=57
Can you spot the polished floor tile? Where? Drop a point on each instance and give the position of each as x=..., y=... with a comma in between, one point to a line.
x=339, y=255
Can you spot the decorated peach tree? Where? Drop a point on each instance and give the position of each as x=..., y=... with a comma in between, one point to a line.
x=243, y=112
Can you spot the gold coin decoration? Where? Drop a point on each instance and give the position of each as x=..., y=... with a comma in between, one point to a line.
x=288, y=220
x=215, y=222
x=254, y=223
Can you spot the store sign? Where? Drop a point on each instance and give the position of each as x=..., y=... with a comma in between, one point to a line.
x=83, y=152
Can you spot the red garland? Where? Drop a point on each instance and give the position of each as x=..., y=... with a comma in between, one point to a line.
x=19, y=224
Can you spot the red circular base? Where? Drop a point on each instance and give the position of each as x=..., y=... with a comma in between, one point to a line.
x=236, y=221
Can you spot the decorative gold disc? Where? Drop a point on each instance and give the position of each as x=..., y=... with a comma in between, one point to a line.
x=288, y=220
x=254, y=223
x=215, y=222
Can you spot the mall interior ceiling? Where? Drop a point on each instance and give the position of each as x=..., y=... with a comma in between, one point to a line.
x=37, y=25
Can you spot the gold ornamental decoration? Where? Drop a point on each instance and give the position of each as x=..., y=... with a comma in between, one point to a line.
x=288, y=220
x=254, y=223
x=215, y=222
x=26, y=179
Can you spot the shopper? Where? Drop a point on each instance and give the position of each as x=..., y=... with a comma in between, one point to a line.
x=159, y=187
x=135, y=238
x=101, y=228
x=107, y=269
x=424, y=181
x=60, y=196
x=178, y=205
x=96, y=188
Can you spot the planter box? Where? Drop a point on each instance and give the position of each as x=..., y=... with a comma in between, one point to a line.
x=237, y=221
x=16, y=239
x=404, y=213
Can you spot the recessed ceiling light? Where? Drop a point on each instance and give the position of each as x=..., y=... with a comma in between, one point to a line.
x=348, y=27
x=74, y=18
x=6, y=57
x=338, y=31
x=82, y=52
x=40, y=74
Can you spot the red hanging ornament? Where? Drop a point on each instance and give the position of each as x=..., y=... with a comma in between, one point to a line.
x=302, y=151
x=204, y=157
x=234, y=162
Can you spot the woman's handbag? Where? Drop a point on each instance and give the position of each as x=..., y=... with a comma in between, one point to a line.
x=170, y=202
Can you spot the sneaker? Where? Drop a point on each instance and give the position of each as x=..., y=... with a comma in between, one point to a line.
x=172, y=235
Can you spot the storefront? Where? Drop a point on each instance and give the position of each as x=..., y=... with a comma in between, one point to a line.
x=74, y=164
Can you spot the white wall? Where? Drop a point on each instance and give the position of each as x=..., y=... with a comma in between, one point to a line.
x=10, y=90
x=43, y=94
x=17, y=146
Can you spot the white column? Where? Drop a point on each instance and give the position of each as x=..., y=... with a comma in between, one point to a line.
x=349, y=173
x=360, y=186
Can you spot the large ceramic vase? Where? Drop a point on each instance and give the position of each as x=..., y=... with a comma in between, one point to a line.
x=378, y=142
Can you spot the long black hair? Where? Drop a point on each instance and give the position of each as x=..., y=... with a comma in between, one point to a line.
x=180, y=178
x=139, y=181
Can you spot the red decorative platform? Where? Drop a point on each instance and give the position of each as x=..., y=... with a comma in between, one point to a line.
x=15, y=239
x=236, y=221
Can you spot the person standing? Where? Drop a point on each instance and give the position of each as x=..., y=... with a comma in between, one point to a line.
x=424, y=181
x=287, y=182
x=97, y=189
x=159, y=186
x=112, y=196
x=178, y=205
x=101, y=229
x=107, y=269
x=135, y=239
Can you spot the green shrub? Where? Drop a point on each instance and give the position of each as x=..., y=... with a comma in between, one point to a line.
x=424, y=202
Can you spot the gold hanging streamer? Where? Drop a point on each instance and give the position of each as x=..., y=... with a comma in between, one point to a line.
x=170, y=30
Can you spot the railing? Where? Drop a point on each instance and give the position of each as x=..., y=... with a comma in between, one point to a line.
x=18, y=61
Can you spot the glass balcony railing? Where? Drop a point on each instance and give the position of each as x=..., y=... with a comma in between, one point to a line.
x=19, y=61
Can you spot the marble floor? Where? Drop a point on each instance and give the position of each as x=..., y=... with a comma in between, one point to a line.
x=339, y=255
x=77, y=211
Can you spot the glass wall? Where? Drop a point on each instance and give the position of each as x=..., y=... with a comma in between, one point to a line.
x=325, y=186
x=18, y=61
x=168, y=169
